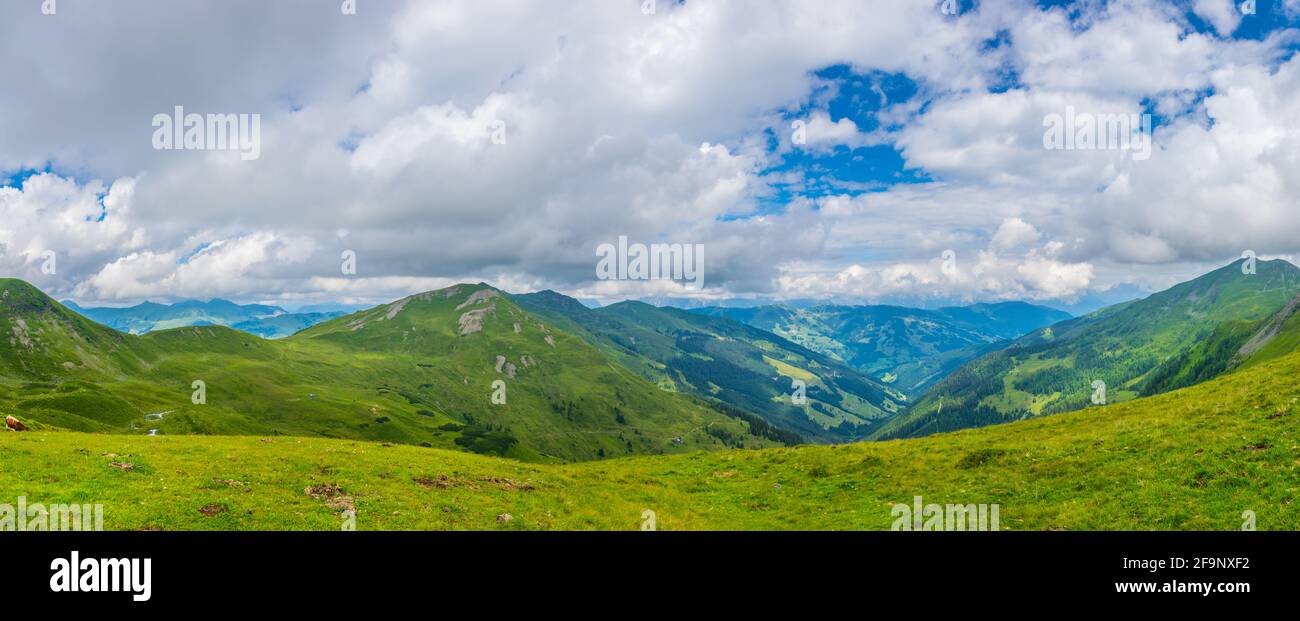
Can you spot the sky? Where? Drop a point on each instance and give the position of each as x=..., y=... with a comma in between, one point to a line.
x=855, y=151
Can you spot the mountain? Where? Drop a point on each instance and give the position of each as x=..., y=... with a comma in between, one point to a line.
x=1054, y=369
x=41, y=338
x=907, y=348
x=280, y=326
x=264, y=321
x=331, y=307
x=731, y=364
x=1096, y=300
x=421, y=370
x=1233, y=344
x=1192, y=459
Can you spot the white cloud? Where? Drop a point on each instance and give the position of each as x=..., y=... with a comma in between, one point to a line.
x=1014, y=232
x=822, y=134
x=983, y=275
x=654, y=127
x=240, y=266
x=1223, y=14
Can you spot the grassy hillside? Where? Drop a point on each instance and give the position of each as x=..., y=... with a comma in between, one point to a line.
x=729, y=363
x=1053, y=369
x=1196, y=458
x=908, y=348
x=1231, y=345
x=417, y=371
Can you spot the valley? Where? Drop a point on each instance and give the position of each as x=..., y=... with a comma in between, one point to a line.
x=731, y=364
x=908, y=348
x=1195, y=458
x=603, y=414
x=1053, y=369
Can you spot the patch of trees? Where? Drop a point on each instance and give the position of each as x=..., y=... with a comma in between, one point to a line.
x=1202, y=362
x=758, y=426
x=486, y=439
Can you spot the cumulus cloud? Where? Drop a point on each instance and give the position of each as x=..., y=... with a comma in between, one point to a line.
x=505, y=141
x=1223, y=14
x=819, y=133
x=239, y=266
x=950, y=277
x=1014, y=232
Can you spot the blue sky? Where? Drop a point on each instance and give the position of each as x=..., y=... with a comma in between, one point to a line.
x=844, y=92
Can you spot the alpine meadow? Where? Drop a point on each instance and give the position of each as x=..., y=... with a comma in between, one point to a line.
x=284, y=271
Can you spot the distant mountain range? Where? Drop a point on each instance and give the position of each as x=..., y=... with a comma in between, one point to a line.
x=1096, y=300
x=907, y=348
x=1083, y=303
x=269, y=322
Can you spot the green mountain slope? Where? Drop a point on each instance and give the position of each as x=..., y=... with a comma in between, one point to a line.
x=908, y=348
x=1193, y=459
x=1053, y=369
x=417, y=371
x=1232, y=344
x=730, y=363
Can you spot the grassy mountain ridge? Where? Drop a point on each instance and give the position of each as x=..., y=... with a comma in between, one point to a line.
x=908, y=348
x=1052, y=370
x=729, y=363
x=1196, y=458
x=417, y=371
x=1232, y=344
x=40, y=337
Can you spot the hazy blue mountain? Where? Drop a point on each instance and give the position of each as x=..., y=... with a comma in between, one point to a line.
x=331, y=307
x=262, y=320
x=1096, y=300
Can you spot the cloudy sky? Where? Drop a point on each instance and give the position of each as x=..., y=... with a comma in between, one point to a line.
x=818, y=149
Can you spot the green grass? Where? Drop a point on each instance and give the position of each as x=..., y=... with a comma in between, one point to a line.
x=1195, y=458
